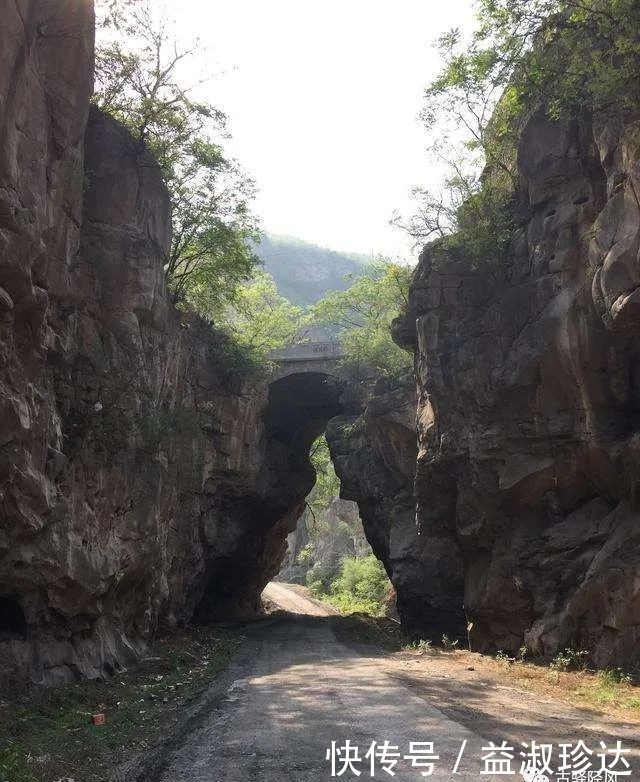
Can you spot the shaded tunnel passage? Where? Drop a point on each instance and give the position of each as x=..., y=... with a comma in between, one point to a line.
x=13, y=624
x=299, y=407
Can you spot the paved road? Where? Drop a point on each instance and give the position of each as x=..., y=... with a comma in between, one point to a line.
x=302, y=689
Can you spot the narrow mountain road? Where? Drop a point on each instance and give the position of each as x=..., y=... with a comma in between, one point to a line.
x=284, y=597
x=299, y=689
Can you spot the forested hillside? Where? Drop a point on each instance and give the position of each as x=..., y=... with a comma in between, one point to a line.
x=304, y=272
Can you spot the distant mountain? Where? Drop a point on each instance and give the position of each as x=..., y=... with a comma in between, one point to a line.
x=304, y=272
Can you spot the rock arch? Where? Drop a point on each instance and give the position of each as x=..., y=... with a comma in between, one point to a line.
x=257, y=518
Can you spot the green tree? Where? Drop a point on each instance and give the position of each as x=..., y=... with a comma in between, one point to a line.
x=566, y=57
x=363, y=314
x=140, y=82
x=260, y=319
x=327, y=485
x=362, y=585
x=562, y=55
x=362, y=579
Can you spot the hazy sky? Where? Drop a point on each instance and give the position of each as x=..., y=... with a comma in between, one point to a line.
x=323, y=100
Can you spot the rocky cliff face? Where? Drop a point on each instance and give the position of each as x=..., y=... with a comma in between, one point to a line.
x=140, y=481
x=374, y=456
x=529, y=401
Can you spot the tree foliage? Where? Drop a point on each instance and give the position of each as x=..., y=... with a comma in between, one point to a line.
x=363, y=314
x=362, y=585
x=260, y=319
x=327, y=485
x=140, y=80
x=363, y=579
x=564, y=56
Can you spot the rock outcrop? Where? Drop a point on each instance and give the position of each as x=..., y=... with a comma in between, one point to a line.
x=321, y=541
x=529, y=397
x=374, y=454
x=141, y=481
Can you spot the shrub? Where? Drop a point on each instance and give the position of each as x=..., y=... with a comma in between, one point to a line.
x=422, y=646
x=362, y=579
x=361, y=585
x=320, y=579
x=613, y=676
x=570, y=660
x=449, y=643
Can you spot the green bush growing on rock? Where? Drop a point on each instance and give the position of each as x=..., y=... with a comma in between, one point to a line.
x=566, y=57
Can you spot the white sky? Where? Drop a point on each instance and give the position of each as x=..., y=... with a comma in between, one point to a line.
x=322, y=99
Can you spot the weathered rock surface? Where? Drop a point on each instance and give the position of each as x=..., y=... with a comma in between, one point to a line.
x=320, y=542
x=374, y=456
x=529, y=394
x=140, y=482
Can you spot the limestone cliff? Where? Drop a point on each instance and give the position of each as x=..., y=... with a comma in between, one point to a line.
x=529, y=396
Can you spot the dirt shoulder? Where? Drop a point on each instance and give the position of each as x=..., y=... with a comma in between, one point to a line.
x=47, y=735
x=152, y=708
x=489, y=694
x=499, y=697
x=296, y=598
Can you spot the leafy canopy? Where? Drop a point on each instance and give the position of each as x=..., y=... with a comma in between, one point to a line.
x=140, y=82
x=363, y=314
x=260, y=319
x=563, y=55
x=566, y=56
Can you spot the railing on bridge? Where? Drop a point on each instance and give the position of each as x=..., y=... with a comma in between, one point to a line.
x=308, y=351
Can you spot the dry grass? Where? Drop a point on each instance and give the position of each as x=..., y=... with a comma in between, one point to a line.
x=597, y=690
x=605, y=692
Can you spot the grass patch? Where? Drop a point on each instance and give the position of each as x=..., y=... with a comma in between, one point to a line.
x=348, y=605
x=612, y=690
x=612, y=687
x=46, y=735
